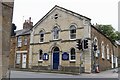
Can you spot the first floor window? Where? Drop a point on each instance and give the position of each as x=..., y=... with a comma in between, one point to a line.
x=72, y=52
x=18, y=58
x=19, y=40
x=25, y=41
x=41, y=36
x=72, y=32
x=55, y=32
x=40, y=55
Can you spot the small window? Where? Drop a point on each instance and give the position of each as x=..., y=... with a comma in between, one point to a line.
x=41, y=36
x=19, y=41
x=55, y=32
x=25, y=41
x=72, y=32
x=18, y=58
x=72, y=53
x=40, y=55
x=108, y=54
x=56, y=16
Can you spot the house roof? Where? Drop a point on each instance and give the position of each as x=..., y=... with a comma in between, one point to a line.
x=63, y=9
x=23, y=32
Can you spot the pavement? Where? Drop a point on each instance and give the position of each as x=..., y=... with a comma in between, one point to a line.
x=26, y=74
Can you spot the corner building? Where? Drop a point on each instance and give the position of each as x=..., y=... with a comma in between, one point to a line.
x=53, y=42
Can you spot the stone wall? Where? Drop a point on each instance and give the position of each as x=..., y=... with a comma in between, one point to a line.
x=6, y=12
x=104, y=63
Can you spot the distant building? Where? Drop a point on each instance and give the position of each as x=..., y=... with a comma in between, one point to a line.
x=20, y=46
x=53, y=44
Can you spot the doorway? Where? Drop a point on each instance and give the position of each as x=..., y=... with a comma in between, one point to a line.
x=56, y=58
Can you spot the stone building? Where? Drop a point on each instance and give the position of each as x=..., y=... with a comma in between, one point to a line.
x=106, y=50
x=53, y=43
x=20, y=46
x=6, y=13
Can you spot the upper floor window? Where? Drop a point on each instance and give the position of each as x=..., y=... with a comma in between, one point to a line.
x=72, y=32
x=72, y=54
x=25, y=41
x=40, y=57
x=55, y=32
x=108, y=54
x=41, y=36
x=19, y=40
x=103, y=50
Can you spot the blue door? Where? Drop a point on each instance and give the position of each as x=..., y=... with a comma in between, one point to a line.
x=55, y=60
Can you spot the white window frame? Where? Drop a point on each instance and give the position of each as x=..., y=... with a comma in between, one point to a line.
x=74, y=33
x=19, y=41
x=103, y=50
x=70, y=55
x=18, y=58
x=42, y=32
x=108, y=52
x=54, y=38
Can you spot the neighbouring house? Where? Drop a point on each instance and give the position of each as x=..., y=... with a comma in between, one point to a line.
x=53, y=41
x=20, y=46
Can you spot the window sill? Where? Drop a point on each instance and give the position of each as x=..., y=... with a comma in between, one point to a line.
x=73, y=39
x=72, y=60
x=40, y=61
x=55, y=40
x=41, y=42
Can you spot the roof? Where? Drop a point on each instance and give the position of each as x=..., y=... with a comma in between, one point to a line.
x=63, y=9
x=23, y=32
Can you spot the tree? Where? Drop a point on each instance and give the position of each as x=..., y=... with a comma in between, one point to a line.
x=109, y=31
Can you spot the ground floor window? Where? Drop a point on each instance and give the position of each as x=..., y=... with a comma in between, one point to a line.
x=72, y=54
x=18, y=58
x=40, y=55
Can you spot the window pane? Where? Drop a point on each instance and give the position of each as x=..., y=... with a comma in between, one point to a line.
x=19, y=41
x=72, y=32
x=55, y=33
x=41, y=36
x=40, y=55
x=25, y=41
x=72, y=54
x=18, y=58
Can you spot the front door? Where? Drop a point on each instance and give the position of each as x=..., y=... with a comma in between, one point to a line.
x=24, y=57
x=55, y=60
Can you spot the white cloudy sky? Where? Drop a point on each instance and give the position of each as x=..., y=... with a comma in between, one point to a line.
x=100, y=11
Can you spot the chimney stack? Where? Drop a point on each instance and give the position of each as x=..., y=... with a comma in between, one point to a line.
x=28, y=24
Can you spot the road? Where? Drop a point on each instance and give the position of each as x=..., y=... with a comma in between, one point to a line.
x=26, y=74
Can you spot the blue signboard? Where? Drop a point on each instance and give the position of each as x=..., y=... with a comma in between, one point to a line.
x=65, y=56
x=45, y=56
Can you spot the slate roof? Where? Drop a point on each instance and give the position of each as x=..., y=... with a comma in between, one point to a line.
x=23, y=32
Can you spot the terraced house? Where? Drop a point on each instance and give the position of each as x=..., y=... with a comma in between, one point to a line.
x=20, y=43
x=53, y=41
